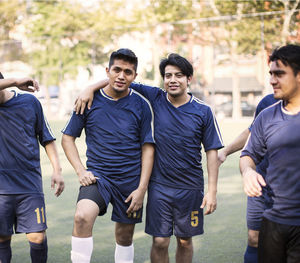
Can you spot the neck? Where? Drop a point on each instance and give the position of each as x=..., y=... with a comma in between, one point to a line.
x=114, y=94
x=292, y=105
x=180, y=100
x=5, y=95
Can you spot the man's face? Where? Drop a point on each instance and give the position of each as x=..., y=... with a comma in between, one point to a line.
x=120, y=74
x=283, y=80
x=175, y=82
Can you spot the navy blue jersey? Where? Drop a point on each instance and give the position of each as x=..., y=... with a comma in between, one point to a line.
x=179, y=134
x=22, y=125
x=115, y=132
x=266, y=101
x=276, y=131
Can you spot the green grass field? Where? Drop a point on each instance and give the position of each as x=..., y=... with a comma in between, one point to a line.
x=225, y=234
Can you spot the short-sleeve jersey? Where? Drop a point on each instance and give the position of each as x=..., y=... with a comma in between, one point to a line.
x=115, y=132
x=266, y=101
x=22, y=125
x=179, y=134
x=276, y=131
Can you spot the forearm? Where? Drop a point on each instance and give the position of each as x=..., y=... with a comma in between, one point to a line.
x=212, y=170
x=71, y=151
x=246, y=164
x=52, y=154
x=238, y=143
x=7, y=83
x=99, y=85
x=147, y=165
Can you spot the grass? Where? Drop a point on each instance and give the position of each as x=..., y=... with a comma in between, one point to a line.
x=225, y=235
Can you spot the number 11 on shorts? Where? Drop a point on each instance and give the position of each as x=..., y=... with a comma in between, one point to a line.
x=40, y=214
x=194, y=218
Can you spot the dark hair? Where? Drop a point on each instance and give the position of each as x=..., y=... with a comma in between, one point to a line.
x=124, y=54
x=1, y=76
x=178, y=61
x=289, y=55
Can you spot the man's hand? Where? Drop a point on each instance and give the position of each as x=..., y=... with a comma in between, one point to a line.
x=27, y=84
x=210, y=202
x=85, y=98
x=137, y=199
x=252, y=182
x=57, y=180
x=86, y=178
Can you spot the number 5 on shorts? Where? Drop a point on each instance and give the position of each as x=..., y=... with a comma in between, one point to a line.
x=39, y=215
x=194, y=218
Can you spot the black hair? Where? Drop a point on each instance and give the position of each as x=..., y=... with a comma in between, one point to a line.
x=176, y=60
x=124, y=54
x=1, y=76
x=289, y=55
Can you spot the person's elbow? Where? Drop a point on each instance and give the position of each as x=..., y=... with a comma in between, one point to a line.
x=66, y=140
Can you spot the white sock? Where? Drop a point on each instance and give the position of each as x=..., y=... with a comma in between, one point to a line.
x=124, y=254
x=82, y=249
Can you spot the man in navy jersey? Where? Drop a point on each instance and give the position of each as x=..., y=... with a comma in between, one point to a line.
x=276, y=132
x=182, y=125
x=22, y=125
x=255, y=205
x=120, y=153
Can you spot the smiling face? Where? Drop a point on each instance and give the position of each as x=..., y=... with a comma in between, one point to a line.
x=121, y=74
x=285, y=83
x=175, y=82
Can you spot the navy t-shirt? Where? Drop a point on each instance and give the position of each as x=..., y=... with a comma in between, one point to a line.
x=22, y=125
x=179, y=134
x=115, y=132
x=276, y=131
x=267, y=101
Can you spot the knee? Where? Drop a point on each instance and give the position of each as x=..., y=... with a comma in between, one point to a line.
x=161, y=243
x=37, y=238
x=124, y=234
x=253, y=238
x=185, y=243
x=4, y=238
x=81, y=219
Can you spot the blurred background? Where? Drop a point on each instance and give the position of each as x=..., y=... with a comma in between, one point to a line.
x=65, y=45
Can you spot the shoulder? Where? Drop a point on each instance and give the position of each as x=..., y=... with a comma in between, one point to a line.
x=200, y=104
x=139, y=97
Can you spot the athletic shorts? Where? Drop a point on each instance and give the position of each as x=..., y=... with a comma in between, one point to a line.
x=22, y=213
x=103, y=193
x=278, y=243
x=255, y=209
x=171, y=209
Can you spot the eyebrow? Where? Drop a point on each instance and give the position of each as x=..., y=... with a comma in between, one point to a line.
x=276, y=71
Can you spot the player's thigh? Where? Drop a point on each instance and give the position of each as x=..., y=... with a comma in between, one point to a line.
x=253, y=238
x=293, y=246
x=118, y=196
x=7, y=215
x=30, y=213
x=255, y=210
x=188, y=216
x=272, y=242
x=159, y=211
x=88, y=197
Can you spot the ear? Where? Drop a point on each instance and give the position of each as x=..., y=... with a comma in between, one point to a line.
x=189, y=80
x=107, y=72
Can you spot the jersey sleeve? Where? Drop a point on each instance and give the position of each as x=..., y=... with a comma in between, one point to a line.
x=212, y=138
x=147, y=124
x=255, y=146
x=42, y=127
x=75, y=125
x=148, y=92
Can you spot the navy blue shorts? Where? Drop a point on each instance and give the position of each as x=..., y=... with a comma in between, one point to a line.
x=22, y=213
x=111, y=193
x=171, y=209
x=255, y=209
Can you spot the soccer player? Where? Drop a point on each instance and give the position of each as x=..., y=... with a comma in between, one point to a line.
x=276, y=132
x=22, y=126
x=255, y=205
x=183, y=124
x=120, y=154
